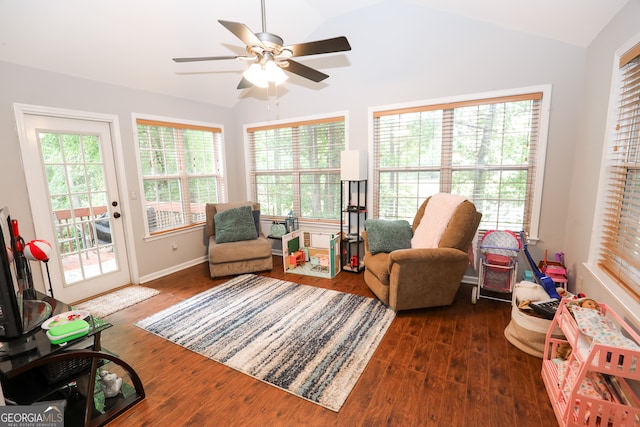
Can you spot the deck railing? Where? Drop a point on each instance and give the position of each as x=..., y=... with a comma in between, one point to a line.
x=77, y=229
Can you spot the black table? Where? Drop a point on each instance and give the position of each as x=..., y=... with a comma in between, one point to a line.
x=32, y=369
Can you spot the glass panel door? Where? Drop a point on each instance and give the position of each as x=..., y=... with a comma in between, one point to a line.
x=77, y=194
x=74, y=197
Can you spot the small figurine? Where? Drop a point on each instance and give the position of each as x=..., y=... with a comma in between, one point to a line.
x=110, y=384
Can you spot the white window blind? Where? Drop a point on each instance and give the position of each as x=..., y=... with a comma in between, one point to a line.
x=484, y=149
x=295, y=167
x=619, y=250
x=182, y=170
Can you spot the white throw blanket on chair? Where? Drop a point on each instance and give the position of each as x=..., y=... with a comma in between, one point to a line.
x=435, y=220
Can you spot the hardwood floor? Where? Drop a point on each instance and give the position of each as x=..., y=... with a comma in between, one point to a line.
x=448, y=366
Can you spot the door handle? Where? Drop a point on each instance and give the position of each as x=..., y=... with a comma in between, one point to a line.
x=116, y=215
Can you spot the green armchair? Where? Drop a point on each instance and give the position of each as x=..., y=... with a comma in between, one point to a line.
x=412, y=278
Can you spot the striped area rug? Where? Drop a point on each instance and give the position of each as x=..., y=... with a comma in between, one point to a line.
x=309, y=341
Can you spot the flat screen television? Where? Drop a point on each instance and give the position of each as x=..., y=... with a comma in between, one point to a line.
x=18, y=315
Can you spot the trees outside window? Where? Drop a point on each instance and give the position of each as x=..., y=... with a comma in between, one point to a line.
x=295, y=166
x=181, y=166
x=485, y=149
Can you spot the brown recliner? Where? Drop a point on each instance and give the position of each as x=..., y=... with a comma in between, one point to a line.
x=405, y=279
x=240, y=257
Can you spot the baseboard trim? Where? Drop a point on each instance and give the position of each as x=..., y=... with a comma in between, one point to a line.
x=469, y=280
x=170, y=270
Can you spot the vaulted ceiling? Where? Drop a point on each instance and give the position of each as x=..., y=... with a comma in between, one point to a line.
x=131, y=43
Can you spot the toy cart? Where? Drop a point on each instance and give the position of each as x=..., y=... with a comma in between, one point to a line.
x=498, y=265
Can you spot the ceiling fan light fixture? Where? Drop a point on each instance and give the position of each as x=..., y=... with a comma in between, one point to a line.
x=275, y=73
x=260, y=75
x=256, y=75
x=271, y=56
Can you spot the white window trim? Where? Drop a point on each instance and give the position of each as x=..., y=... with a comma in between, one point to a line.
x=541, y=147
x=136, y=146
x=620, y=295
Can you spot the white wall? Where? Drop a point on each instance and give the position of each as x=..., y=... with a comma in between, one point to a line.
x=30, y=86
x=590, y=142
x=404, y=53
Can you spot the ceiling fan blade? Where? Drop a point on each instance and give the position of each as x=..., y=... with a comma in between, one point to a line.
x=304, y=71
x=244, y=84
x=206, y=58
x=336, y=44
x=242, y=32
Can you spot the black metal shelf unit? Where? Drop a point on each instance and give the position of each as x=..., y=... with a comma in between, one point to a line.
x=353, y=196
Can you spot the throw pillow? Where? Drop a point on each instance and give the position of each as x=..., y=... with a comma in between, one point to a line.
x=235, y=225
x=256, y=220
x=388, y=235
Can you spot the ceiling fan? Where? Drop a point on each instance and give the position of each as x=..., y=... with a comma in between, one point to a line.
x=271, y=56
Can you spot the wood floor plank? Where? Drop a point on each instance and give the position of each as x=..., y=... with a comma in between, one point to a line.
x=501, y=412
x=429, y=360
x=479, y=339
x=435, y=404
x=453, y=408
x=414, y=326
x=405, y=350
x=421, y=355
x=458, y=365
x=477, y=409
x=360, y=397
x=385, y=397
x=439, y=360
x=446, y=331
x=408, y=407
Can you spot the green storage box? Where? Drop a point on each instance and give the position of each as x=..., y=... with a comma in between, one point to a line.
x=68, y=331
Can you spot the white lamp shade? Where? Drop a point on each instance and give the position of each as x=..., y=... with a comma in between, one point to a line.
x=275, y=73
x=261, y=75
x=256, y=75
x=353, y=165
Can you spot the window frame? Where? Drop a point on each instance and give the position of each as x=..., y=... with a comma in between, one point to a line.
x=543, y=130
x=625, y=295
x=221, y=162
x=285, y=123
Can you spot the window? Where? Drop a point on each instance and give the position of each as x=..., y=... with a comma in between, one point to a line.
x=485, y=149
x=296, y=167
x=181, y=166
x=619, y=246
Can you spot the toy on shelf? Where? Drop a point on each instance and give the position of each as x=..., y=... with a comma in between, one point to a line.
x=110, y=383
x=555, y=270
